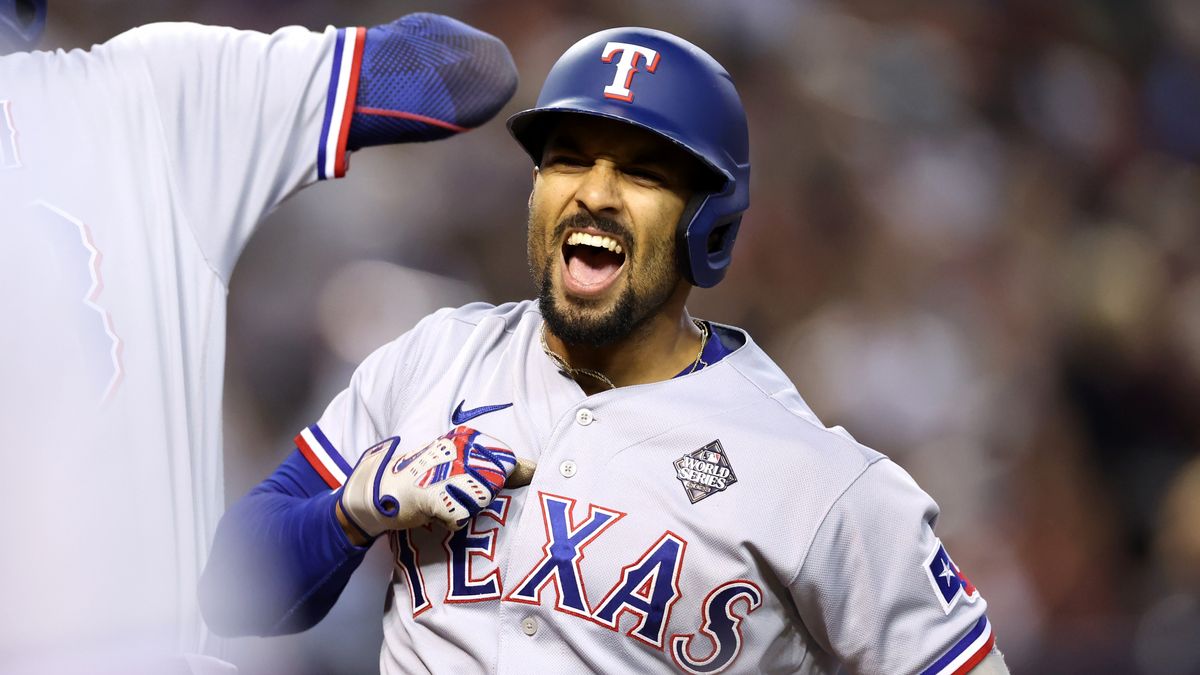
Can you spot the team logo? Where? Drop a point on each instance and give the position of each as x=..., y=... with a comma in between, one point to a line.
x=626, y=67
x=704, y=471
x=951, y=585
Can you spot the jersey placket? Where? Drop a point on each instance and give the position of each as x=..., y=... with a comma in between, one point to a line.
x=567, y=467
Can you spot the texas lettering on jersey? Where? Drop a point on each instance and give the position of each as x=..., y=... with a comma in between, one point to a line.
x=647, y=588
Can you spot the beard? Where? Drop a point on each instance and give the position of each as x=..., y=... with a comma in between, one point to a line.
x=649, y=283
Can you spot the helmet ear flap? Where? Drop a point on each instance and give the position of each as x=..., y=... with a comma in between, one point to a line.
x=719, y=247
x=683, y=248
x=704, y=251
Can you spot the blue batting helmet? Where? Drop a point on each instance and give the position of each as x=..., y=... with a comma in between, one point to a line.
x=671, y=87
x=21, y=24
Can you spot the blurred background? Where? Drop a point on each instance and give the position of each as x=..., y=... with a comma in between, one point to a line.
x=974, y=241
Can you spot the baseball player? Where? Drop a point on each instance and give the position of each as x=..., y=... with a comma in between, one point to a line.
x=131, y=176
x=688, y=512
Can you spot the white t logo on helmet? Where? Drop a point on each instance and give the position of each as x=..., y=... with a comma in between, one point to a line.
x=626, y=67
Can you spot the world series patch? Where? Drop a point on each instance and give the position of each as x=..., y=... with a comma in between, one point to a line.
x=705, y=471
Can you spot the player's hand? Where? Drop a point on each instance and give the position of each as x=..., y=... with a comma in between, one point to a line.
x=449, y=480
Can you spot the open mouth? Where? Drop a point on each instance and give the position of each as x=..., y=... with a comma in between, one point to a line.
x=591, y=261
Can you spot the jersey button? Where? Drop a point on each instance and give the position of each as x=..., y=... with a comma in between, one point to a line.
x=529, y=625
x=584, y=417
x=567, y=469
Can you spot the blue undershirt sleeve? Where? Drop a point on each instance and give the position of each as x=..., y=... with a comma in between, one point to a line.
x=279, y=559
x=425, y=77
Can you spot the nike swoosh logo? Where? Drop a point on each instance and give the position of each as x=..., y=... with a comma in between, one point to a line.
x=461, y=416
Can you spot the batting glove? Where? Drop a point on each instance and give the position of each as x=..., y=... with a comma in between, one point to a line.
x=449, y=480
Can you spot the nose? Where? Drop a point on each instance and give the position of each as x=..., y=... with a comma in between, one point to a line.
x=598, y=191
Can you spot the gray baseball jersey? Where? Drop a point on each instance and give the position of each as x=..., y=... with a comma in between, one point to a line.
x=705, y=523
x=131, y=176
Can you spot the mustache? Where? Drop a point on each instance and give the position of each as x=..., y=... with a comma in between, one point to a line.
x=584, y=220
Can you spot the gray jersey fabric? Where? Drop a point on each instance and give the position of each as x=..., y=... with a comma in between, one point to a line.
x=707, y=523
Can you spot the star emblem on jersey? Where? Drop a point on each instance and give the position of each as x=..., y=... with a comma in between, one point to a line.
x=950, y=584
x=705, y=471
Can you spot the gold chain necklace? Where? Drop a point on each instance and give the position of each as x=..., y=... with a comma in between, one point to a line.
x=572, y=372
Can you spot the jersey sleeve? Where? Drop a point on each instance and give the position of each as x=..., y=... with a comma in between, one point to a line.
x=878, y=588
x=245, y=118
x=366, y=411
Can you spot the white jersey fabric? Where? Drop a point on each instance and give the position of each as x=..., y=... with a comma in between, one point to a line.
x=131, y=176
x=705, y=523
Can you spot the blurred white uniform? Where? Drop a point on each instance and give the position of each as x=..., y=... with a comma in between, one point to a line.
x=131, y=176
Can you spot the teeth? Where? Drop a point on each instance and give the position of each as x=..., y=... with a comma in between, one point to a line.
x=598, y=241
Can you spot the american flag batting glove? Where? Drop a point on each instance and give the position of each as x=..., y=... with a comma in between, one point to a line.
x=449, y=480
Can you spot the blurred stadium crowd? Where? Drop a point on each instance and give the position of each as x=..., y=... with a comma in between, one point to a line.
x=974, y=242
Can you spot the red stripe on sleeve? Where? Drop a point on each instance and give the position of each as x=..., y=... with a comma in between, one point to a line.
x=433, y=121
x=339, y=167
x=316, y=463
x=979, y=656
